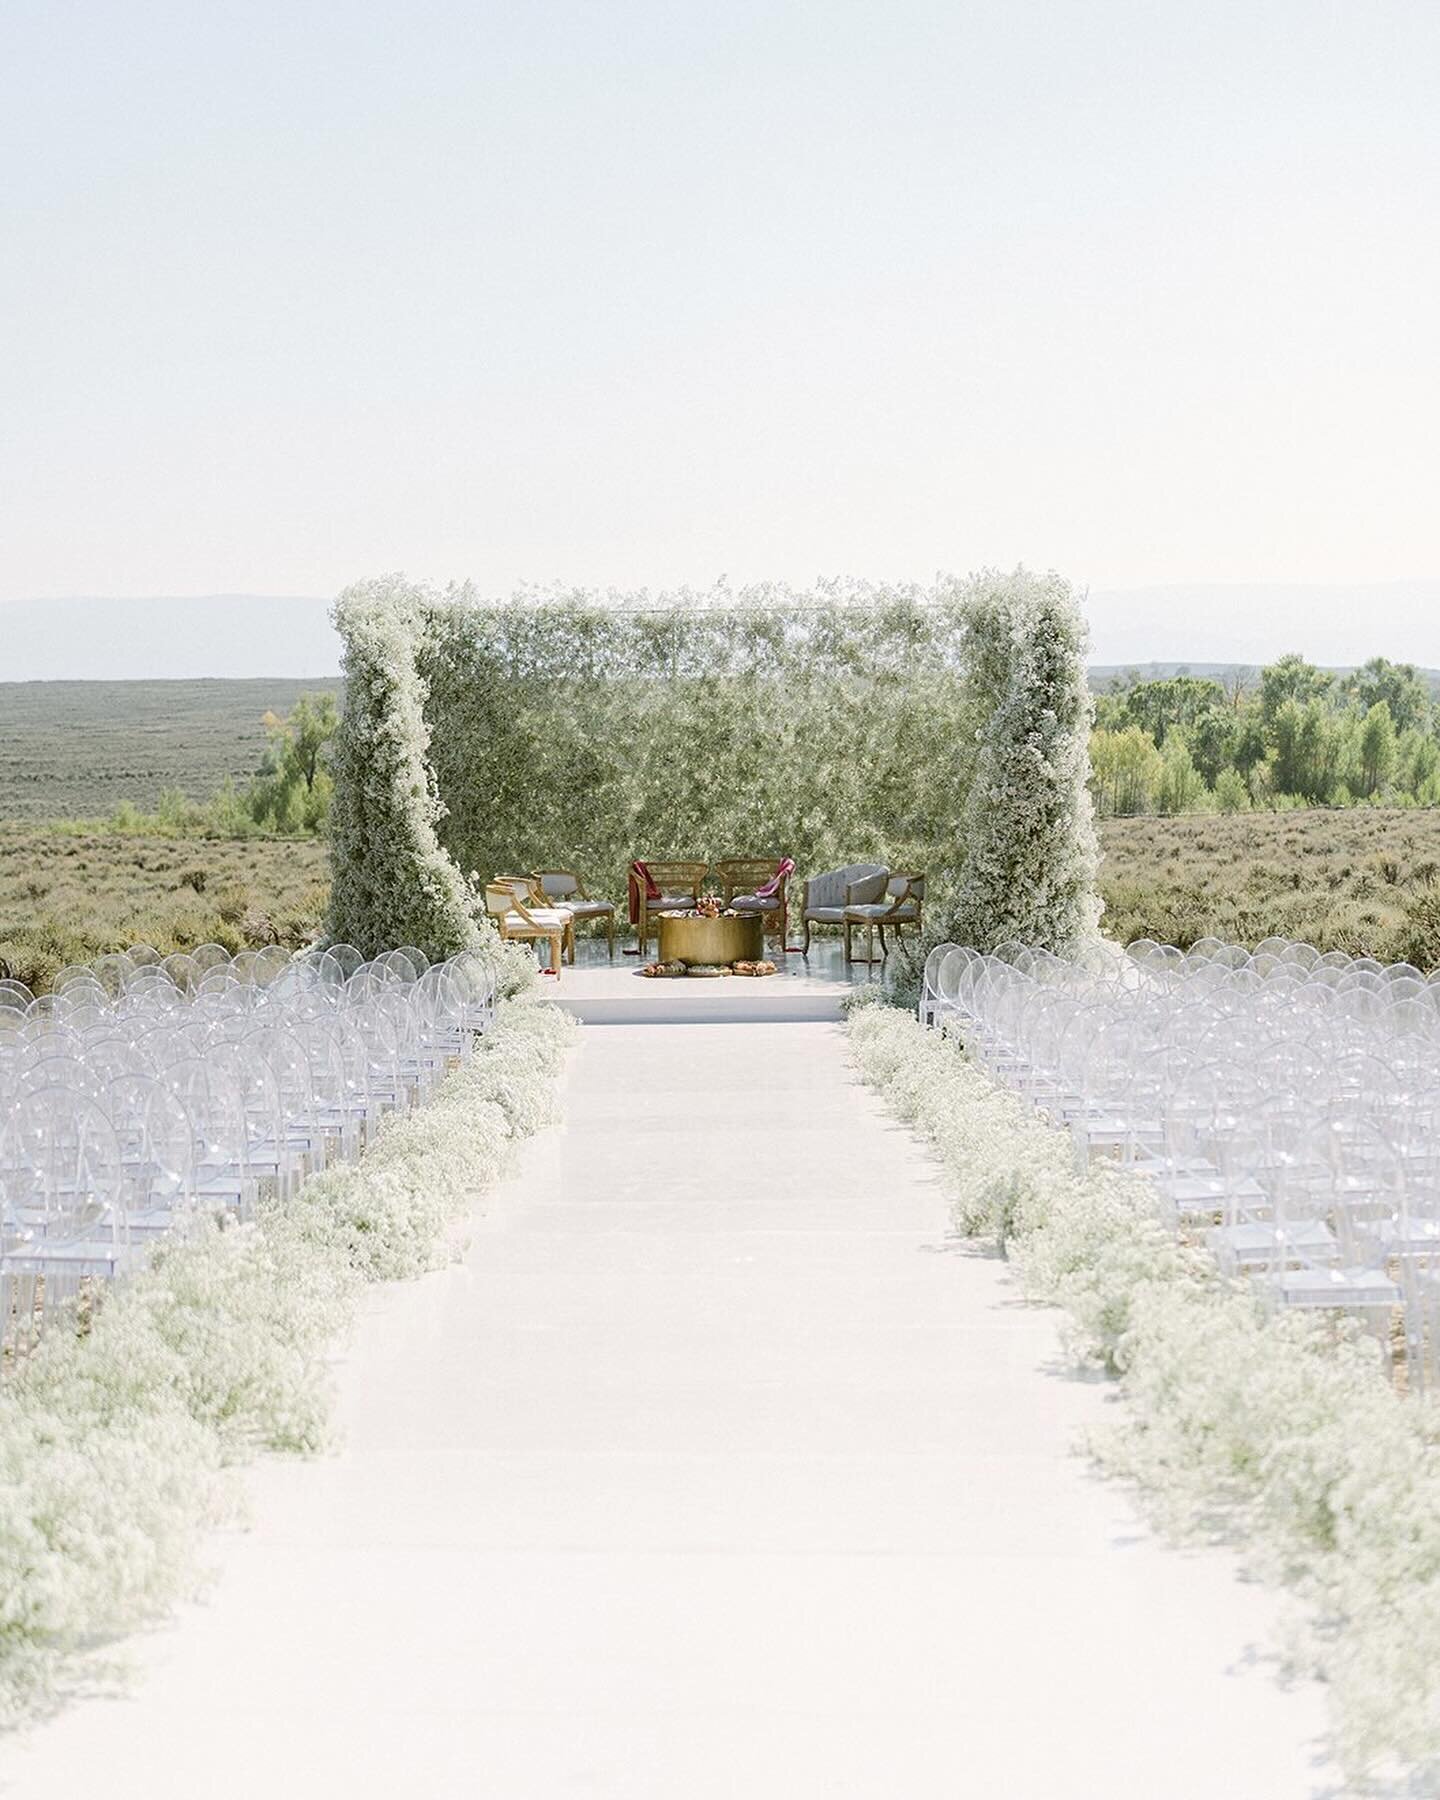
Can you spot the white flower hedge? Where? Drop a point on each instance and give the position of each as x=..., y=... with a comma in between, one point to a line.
x=578, y=731
x=1278, y=1432
x=1030, y=853
x=115, y=1441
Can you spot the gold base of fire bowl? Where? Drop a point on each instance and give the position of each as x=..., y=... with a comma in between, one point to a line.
x=737, y=939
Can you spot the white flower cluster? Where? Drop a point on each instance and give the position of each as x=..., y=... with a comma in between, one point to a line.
x=1029, y=844
x=115, y=1438
x=575, y=731
x=391, y=882
x=1275, y=1431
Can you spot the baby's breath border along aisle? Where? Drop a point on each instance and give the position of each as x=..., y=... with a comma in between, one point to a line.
x=1264, y=1430
x=115, y=1441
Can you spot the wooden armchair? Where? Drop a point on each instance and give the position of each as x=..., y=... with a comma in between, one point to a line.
x=661, y=887
x=517, y=918
x=563, y=887
x=756, y=884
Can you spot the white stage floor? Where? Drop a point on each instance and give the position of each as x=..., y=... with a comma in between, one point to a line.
x=806, y=989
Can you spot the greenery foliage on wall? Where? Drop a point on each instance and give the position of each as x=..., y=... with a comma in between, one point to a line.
x=580, y=731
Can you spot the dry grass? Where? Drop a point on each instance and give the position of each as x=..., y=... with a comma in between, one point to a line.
x=66, y=899
x=77, y=749
x=1363, y=880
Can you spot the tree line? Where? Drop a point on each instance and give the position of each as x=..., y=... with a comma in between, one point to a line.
x=288, y=795
x=1289, y=735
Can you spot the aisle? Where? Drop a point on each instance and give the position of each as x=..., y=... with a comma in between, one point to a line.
x=715, y=1471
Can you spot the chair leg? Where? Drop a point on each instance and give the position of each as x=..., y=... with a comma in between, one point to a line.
x=883, y=952
x=610, y=933
x=805, y=947
x=849, y=948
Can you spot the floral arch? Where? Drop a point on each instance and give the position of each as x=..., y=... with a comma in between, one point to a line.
x=943, y=729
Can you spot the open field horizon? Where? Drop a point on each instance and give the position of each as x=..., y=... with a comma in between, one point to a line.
x=79, y=749
x=1365, y=880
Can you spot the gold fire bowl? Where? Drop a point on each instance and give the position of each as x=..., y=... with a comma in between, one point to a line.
x=736, y=939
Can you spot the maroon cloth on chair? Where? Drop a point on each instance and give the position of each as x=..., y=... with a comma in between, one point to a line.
x=639, y=873
x=777, y=880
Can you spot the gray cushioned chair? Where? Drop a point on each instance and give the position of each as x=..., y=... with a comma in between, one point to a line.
x=825, y=897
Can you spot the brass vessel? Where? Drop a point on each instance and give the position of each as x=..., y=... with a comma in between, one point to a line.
x=738, y=938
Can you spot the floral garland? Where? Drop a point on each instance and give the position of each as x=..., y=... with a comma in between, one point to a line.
x=1270, y=1430
x=115, y=1442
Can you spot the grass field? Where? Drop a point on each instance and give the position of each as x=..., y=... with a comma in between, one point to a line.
x=1362, y=880
x=67, y=898
x=76, y=749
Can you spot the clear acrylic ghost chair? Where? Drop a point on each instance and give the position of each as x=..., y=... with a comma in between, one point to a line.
x=476, y=977
x=419, y=1064
x=302, y=1135
x=181, y=969
x=112, y=972
x=361, y=1109
x=61, y=1216
x=223, y=1181
x=1118, y=1111
x=383, y=1048
x=1286, y=1225
x=949, y=1009
x=338, y=1119
x=218, y=979
x=930, y=1000
x=160, y=1154
x=269, y=1157
x=14, y=995
x=1349, y=1275
x=441, y=999
x=396, y=966
x=70, y=1072
x=271, y=963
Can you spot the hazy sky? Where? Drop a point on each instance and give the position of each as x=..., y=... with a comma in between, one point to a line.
x=633, y=293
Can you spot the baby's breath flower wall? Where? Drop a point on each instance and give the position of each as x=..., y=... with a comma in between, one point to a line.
x=579, y=730
x=1030, y=850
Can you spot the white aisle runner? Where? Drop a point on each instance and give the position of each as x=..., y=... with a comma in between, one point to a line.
x=716, y=1471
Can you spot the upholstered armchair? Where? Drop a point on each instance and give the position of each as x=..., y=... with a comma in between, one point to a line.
x=661, y=887
x=563, y=887
x=824, y=898
x=756, y=884
x=898, y=904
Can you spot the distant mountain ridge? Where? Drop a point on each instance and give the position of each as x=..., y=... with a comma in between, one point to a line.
x=247, y=636
x=1107, y=675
